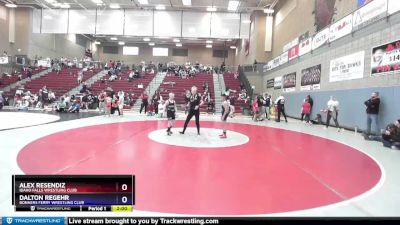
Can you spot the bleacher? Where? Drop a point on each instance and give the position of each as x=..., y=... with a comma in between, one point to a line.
x=123, y=84
x=234, y=84
x=59, y=83
x=6, y=80
x=179, y=86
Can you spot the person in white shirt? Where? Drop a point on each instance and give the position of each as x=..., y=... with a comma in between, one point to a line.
x=332, y=112
x=121, y=96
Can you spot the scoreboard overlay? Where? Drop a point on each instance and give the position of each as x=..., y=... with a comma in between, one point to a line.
x=73, y=192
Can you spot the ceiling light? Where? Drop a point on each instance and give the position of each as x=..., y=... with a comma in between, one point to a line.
x=160, y=7
x=97, y=1
x=209, y=42
x=178, y=44
x=47, y=17
x=114, y=6
x=121, y=43
x=208, y=46
x=246, y=21
x=65, y=6
x=233, y=5
x=100, y=4
x=143, y=2
x=268, y=10
x=187, y=2
x=97, y=42
x=11, y=5
x=211, y=9
x=49, y=1
x=56, y=4
x=146, y=39
x=163, y=37
x=113, y=39
x=177, y=40
x=151, y=44
x=233, y=47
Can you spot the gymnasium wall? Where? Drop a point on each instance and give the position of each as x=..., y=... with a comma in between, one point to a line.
x=45, y=45
x=351, y=93
x=195, y=53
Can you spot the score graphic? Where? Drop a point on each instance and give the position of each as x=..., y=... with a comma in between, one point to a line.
x=73, y=193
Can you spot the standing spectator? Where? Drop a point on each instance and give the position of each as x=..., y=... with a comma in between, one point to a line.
x=332, y=112
x=1, y=100
x=256, y=110
x=121, y=98
x=310, y=100
x=280, y=105
x=115, y=105
x=306, y=110
x=267, y=104
x=102, y=98
x=145, y=102
x=372, y=109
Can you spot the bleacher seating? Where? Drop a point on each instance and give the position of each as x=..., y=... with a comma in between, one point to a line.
x=123, y=84
x=179, y=86
x=59, y=83
x=234, y=84
x=6, y=80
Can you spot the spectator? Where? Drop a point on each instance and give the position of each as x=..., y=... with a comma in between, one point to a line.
x=267, y=104
x=372, y=109
x=310, y=100
x=121, y=98
x=115, y=105
x=145, y=102
x=2, y=101
x=390, y=137
x=256, y=110
x=61, y=106
x=75, y=106
x=280, y=105
x=306, y=110
x=332, y=112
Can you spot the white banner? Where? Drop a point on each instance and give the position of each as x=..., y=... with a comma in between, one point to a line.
x=369, y=13
x=320, y=38
x=393, y=6
x=44, y=63
x=275, y=62
x=284, y=58
x=347, y=67
x=268, y=66
x=278, y=83
x=305, y=47
x=341, y=28
x=4, y=60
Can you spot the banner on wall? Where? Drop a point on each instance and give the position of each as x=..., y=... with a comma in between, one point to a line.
x=4, y=60
x=347, y=67
x=393, y=6
x=278, y=83
x=284, y=58
x=289, y=82
x=320, y=38
x=305, y=46
x=293, y=52
x=291, y=44
x=385, y=59
x=268, y=66
x=275, y=62
x=270, y=83
x=369, y=13
x=311, y=78
x=341, y=28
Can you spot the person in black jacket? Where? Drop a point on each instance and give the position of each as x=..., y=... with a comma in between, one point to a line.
x=372, y=109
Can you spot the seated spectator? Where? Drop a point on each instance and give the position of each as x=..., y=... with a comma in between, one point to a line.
x=390, y=137
x=61, y=106
x=24, y=104
x=84, y=88
x=75, y=106
x=112, y=77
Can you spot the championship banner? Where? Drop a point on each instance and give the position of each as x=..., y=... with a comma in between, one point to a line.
x=4, y=60
x=291, y=44
x=268, y=66
x=341, y=28
x=278, y=83
x=320, y=39
x=311, y=78
x=369, y=13
x=305, y=47
x=347, y=67
x=393, y=6
x=284, y=58
x=270, y=83
x=289, y=82
x=293, y=52
x=385, y=59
